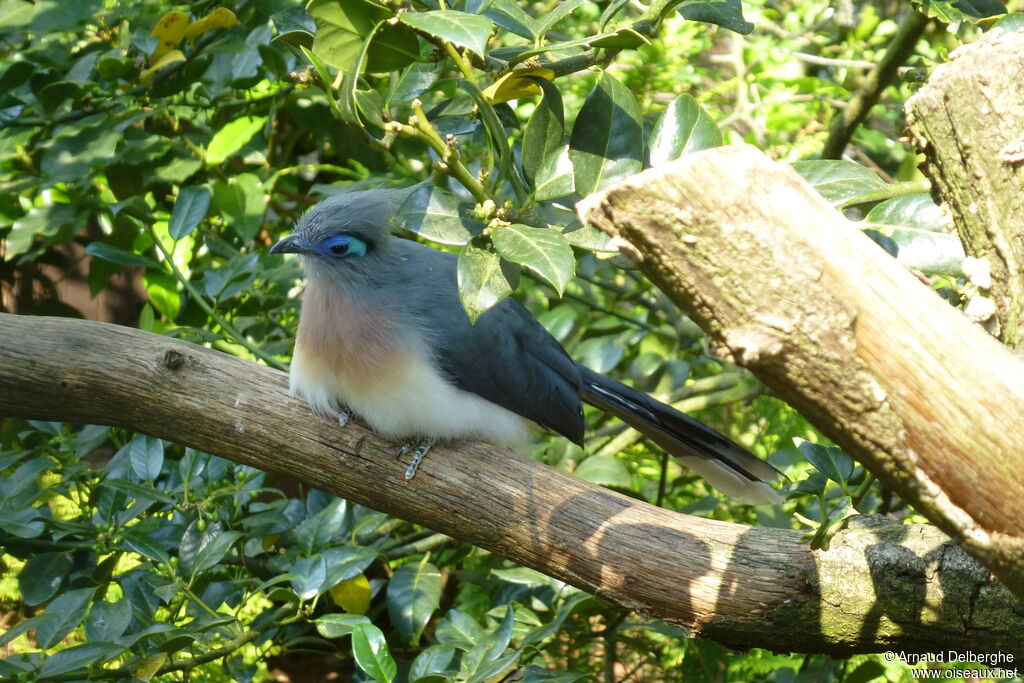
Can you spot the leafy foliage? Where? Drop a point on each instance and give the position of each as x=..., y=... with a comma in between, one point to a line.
x=150, y=157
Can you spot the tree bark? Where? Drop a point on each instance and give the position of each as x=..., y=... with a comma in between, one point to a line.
x=790, y=289
x=968, y=121
x=881, y=586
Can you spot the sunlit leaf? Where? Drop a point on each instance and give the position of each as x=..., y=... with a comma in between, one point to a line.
x=542, y=250
x=682, y=128
x=371, y=653
x=725, y=13
x=459, y=28
x=482, y=282
x=232, y=137
x=839, y=181
x=607, y=138
x=545, y=130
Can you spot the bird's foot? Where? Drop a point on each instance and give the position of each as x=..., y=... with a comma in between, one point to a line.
x=344, y=416
x=419, y=449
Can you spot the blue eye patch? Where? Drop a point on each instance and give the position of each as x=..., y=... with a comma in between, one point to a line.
x=342, y=246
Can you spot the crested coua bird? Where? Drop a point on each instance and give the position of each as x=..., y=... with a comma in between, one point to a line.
x=382, y=333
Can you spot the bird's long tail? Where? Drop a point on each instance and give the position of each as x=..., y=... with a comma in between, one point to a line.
x=728, y=467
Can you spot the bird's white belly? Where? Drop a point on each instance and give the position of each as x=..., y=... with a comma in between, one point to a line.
x=408, y=398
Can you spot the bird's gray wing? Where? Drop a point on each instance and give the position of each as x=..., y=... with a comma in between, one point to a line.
x=508, y=358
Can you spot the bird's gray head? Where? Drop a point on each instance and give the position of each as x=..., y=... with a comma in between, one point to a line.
x=346, y=235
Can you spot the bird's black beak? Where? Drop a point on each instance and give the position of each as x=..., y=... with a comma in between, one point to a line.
x=288, y=245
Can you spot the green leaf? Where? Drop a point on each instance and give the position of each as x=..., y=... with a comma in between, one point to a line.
x=200, y=550
x=413, y=82
x=555, y=177
x=371, y=653
x=346, y=562
x=867, y=672
x=604, y=470
x=459, y=28
x=683, y=127
x=123, y=257
x=542, y=250
x=589, y=237
x=42, y=576
x=489, y=649
x=317, y=530
x=342, y=27
x=146, y=454
x=436, y=214
x=189, y=210
x=953, y=12
x=839, y=181
x=459, y=630
x=23, y=523
x=78, y=657
x=108, y=620
x=510, y=16
x=308, y=577
x=600, y=353
x=414, y=593
x=561, y=11
x=144, y=545
x=241, y=201
x=339, y=625
x=1011, y=22
x=725, y=13
x=918, y=211
x=607, y=138
x=482, y=281
x=545, y=129
x=15, y=14
x=24, y=627
x=294, y=26
x=348, y=108
x=564, y=611
x=70, y=156
x=40, y=221
x=829, y=460
x=68, y=611
x=54, y=94
x=138, y=491
x=434, y=660
x=232, y=137
x=911, y=228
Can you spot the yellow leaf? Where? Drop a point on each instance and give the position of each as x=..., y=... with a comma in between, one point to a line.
x=269, y=541
x=352, y=595
x=221, y=17
x=170, y=58
x=148, y=667
x=170, y=30
x=516, y=84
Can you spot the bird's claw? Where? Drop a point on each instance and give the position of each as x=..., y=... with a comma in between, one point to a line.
x=422, y=447
x=344, y=416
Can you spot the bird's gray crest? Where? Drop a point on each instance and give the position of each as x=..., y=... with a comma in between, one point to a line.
x=366, y=214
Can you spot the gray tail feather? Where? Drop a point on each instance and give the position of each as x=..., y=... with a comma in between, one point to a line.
x=728, y=467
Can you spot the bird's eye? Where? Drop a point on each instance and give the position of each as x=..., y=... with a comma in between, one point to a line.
x=338, y=249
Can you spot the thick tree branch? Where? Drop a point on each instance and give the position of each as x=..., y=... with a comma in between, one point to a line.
x=968, y=121
x=881, y=586
x=879, y=362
